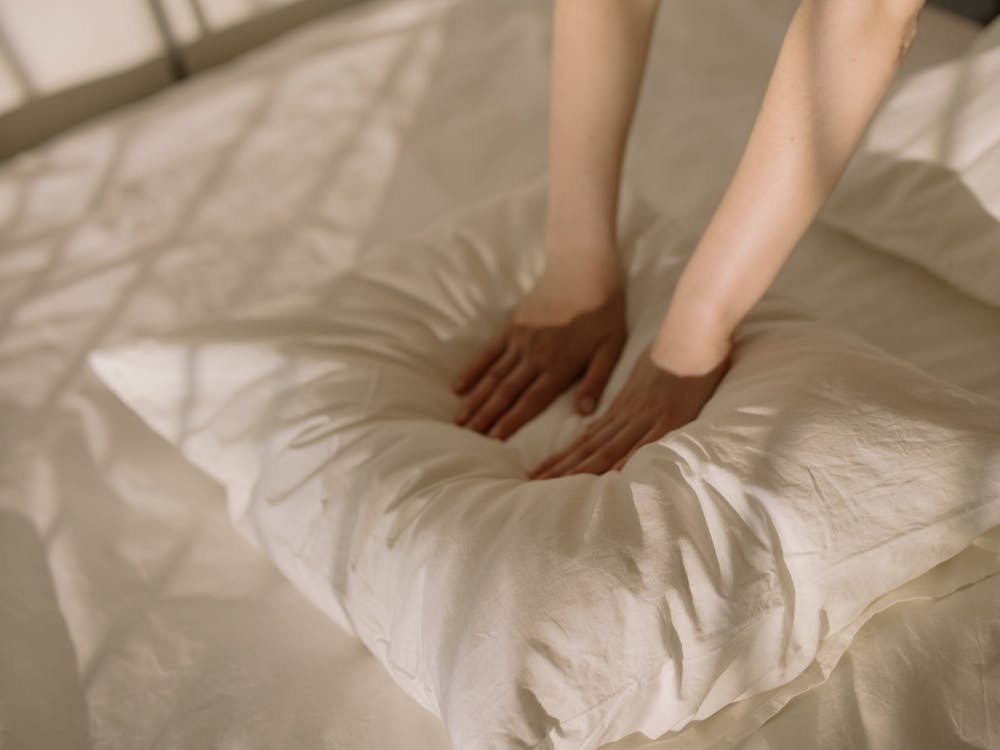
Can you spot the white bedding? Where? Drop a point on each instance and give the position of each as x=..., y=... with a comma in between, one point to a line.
x=733, y=560
x=934, y=151
x=131, y=614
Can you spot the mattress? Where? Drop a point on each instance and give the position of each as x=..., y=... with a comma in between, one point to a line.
x=132, y=614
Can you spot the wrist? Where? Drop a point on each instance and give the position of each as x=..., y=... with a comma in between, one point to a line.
x=691, y=341
x=566, y=290
x=592, y=268
x=581, y=241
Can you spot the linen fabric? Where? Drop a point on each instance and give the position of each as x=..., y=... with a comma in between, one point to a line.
x=718, y=566
x=925, y=186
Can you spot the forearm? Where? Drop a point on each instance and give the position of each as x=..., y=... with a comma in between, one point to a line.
x=835, y=64
x=599, y=53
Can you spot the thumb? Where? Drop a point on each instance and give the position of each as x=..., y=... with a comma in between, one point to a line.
x=596, y=378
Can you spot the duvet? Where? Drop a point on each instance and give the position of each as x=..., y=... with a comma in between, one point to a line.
x=728, y=564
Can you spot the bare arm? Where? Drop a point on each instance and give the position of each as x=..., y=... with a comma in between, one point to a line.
x=835, y=64
x=599, y=54
x=571, y=325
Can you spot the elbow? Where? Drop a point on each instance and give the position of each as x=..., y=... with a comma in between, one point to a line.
x=893, y=22
x=902, y=16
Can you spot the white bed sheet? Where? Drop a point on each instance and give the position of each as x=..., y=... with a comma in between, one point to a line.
x=131, y=614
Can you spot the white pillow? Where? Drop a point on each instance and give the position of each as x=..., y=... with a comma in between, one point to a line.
x=925, y=185
x=721, y=563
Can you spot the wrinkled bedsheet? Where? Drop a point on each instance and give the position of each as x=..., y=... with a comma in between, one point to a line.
x=131, y=613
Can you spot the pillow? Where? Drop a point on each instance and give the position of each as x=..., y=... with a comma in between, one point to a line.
x=719, y=565
x=925, y=185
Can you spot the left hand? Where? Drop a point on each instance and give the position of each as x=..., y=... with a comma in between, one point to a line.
x=652, y=402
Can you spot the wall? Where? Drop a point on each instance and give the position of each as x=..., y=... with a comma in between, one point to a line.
x=65, y=61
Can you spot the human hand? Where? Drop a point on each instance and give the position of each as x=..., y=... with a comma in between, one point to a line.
x=569, y=324
x=653, y=401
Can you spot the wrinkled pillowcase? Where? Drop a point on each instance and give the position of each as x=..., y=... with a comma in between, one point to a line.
x=724, y=560
x=925, y=185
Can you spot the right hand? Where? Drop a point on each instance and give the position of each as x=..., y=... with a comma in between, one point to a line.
x=571, y=323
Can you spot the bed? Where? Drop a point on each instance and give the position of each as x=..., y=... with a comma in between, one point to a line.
x=132, y=614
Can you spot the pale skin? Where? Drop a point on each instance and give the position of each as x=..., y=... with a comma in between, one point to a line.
x=837, y=59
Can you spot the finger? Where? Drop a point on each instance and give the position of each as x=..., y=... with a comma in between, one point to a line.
x=583, y=439
x=609, y=453
x=586, y=449
x=541, y=469
x=650, y=436
x=532, y=402
x=486, y=385
x=480, y=364
x=505, y=394
x=595, y=379
x=581, y=449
